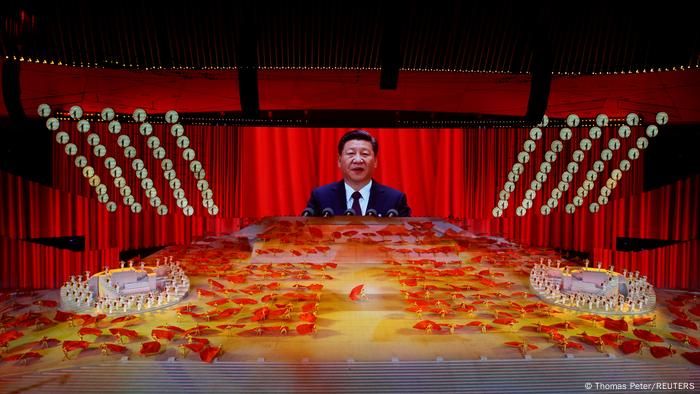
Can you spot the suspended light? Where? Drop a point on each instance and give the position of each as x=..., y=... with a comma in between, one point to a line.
x=139, y=115
x=44, y=110
x=601, y=120
x=107, y=114
x=573, y=120
x=76, y=112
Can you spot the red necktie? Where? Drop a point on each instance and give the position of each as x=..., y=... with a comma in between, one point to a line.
x=356, y=203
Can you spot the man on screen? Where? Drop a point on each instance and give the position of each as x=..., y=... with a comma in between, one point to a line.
x=357, y=194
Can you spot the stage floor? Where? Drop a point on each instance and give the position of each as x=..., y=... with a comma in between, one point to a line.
x=311, y=266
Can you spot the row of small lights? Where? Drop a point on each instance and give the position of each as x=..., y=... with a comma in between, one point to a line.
x=114, y=127
x=623, y=166
x=206, y=121
x=76, y=113
x=565, y=134
x=196, y=167
x=228, y=68
x=598, y=166
x=71, y=149
x=572, y=167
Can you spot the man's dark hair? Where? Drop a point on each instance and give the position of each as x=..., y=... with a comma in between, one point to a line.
x=358, y=135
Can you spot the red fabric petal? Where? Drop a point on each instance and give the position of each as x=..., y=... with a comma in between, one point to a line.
x=355, y=292
x=647, y=336
x=162, y=334
x=304, y=329
x=685, y=323
x=90, y=331
x=150, y=347
x=209, y=353
x=617, y=325
x=693, y=357
x=115, y=348
x=72, y=345
x=661, y=351
x=631, y=346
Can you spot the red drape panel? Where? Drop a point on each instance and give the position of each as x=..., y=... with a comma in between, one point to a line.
x=27, y=265
x=30, y=210
x=673, y=266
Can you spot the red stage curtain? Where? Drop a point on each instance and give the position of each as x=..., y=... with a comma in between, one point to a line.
x=27, y=265
x=673, y=266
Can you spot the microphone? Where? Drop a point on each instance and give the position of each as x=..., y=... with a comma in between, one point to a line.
x=372, y=212
x=328, y=212
x=308, y=212
x=349, y=212
x=391, y=213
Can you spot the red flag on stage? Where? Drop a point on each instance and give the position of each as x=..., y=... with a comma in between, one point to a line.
x=150, y=347
x=685, y=323
x=661, y=351
x=647, y=336
x=162, y=334
x=115, y=348
x=72, y=345
x=215, y=284
x=220, y=301
x=521, y=344
x=355, y=292
x=197, y=330
x=304, y=329
x=63, y=316
x=640, y=321
x=89, y=319
x=10, y=336
x=121, y=319
x=205, y=293
x=505, y=321
x=228, y=312
x=209, y=353
x=611, y=339
x=245, y=301
x=124, y=332
x=230, y=326
x=693, y=357
x=203, y=341
x=46, y=303
x=591, y=340
x=309, y=317
x=574, y=345
x=695, y=310
x=22, y=356
x=424, y=324
x=685, y=338
x=631, y=346
x=260, y=314
x=173, y=328
x=195, y=346
x=90, y=331
x=617, y=325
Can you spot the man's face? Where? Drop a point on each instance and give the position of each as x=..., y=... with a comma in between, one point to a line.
x=357, y=162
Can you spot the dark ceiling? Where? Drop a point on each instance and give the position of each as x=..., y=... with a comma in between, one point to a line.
x=439, y=35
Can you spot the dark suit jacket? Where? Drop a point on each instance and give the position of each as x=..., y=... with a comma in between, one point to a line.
x=381, y=198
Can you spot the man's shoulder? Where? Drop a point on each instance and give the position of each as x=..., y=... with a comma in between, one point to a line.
x=328, y=188
x=388, y=190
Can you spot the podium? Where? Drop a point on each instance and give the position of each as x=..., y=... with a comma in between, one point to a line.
x=351, y=239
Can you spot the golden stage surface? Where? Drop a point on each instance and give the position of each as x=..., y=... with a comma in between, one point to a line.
x=282, y=290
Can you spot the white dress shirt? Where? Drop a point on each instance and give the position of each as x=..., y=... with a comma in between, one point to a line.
x=364, y=200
